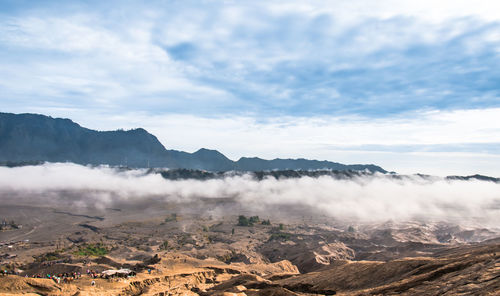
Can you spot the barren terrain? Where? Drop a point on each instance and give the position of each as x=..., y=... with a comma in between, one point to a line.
x=198, y=248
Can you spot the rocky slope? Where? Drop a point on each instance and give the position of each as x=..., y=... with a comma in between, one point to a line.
x=473, y=270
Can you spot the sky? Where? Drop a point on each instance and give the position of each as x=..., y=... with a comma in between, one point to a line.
x=412, y=86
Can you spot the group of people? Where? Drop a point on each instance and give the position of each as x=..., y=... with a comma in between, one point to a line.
x=93, y=273
x=69, y=277
x=6, y=272
x=66, y=277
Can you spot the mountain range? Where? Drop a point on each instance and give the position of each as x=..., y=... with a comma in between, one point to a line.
x=28, y=138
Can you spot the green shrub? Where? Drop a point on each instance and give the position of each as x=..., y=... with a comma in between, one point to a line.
x=92, y=250
x=243, y=221
x=253, y=220
x=280, y=236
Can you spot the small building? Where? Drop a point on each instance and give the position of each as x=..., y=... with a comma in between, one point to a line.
x=118, y=273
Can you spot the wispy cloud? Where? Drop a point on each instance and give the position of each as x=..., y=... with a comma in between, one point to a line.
x=252, y=58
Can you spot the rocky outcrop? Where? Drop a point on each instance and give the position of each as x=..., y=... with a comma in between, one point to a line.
x=177, y=284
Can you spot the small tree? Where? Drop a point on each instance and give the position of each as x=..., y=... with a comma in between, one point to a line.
x=164, y=245
x=254, y=219
x=243, y=221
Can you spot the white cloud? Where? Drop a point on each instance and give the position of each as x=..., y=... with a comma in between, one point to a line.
x=429, y=10
x=367, y=199
x=244, y=50
x=98, y=63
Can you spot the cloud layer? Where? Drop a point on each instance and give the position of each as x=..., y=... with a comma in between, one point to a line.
x=366, y=199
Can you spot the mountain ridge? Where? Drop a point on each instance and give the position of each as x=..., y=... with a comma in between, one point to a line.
x=28, y=137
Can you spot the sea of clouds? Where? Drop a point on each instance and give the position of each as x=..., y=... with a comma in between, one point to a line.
x=370, y=198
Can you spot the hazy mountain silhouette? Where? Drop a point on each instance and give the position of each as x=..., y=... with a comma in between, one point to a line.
x=26, y=138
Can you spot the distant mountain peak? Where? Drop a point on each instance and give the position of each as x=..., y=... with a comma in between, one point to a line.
x=28, y=138
x=205, y=150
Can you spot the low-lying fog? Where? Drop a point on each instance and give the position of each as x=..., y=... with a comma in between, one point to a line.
x=371, y=198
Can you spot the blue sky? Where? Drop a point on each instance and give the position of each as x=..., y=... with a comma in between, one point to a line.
x=414, y=87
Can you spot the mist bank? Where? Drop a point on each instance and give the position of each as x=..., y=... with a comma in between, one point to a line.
x=363, y=197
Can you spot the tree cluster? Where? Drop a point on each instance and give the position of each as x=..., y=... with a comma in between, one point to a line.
x=250, y=221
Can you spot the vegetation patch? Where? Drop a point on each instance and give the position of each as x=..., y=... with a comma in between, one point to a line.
x=50, y=256
x=244, y=221
x=164, y=245
x=280, y=236
x=171, y=218
x=96, y=250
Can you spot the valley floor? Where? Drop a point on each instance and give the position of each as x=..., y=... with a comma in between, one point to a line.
x=203, y=248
